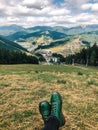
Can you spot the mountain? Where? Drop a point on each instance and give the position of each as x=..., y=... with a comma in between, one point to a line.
x=7, y=30
x=82, y=29
x=91, y=37
x=39, y=28
x=55, y=32
x=60, y=29
x=16, y=35
x=6, y=44
x=57, y=39
x=11, y=29
x=69, y=31
x=37, y=36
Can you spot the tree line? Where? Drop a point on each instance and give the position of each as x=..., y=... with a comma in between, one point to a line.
x=88, y=56
x=15, y=57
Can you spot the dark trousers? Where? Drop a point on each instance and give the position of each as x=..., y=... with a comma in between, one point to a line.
x=52, y=124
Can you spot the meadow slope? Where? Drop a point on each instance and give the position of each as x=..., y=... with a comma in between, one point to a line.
x=22, y=87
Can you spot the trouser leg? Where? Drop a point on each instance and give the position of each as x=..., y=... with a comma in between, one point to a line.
x=52, y=124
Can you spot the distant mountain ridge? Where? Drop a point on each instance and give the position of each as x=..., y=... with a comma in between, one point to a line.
x=11, y=29
x=7, y=30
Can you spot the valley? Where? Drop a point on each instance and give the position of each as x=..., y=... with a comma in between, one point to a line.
x=57, y=39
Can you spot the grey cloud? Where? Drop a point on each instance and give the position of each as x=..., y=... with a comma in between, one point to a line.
x=37, y=4
x=34, y=6
x=75, y=5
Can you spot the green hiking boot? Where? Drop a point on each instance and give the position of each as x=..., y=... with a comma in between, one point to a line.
x=45, y=110
x=56, y=107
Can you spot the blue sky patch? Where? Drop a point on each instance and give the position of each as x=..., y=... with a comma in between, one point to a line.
x=58, y=2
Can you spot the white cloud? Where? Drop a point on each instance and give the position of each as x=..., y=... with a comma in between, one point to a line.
x=22, y=10
x=56, y=12
x=91, y=6
x=12, y=19
x=86, y=6
x=44, y=12
x=94, y=7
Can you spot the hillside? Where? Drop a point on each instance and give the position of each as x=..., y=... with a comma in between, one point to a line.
x=6, y=44
x=68, y=47
x=91, y=37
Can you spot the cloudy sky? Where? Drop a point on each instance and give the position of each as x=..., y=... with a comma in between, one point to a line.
x=48, y=12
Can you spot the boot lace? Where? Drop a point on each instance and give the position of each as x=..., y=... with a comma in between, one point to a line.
x=54, y=108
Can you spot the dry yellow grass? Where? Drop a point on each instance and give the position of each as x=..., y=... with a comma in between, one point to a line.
x=70, y=45
x=22, y=87
x=57, y=49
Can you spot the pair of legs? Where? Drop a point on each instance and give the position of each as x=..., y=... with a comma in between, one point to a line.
x=52, y=124
x=52, y=112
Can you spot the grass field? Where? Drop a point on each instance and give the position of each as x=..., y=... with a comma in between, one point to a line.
x=22, y=87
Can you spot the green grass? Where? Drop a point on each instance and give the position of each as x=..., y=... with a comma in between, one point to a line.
x=23, y=87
